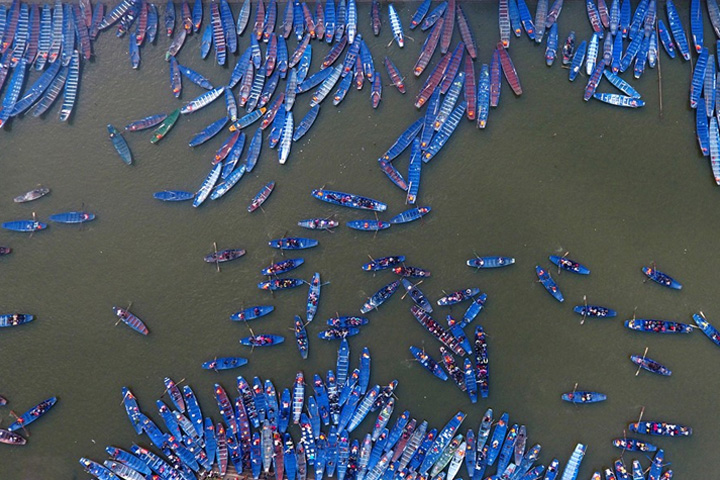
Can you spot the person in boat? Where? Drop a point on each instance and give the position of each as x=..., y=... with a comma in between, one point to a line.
x=256, y=311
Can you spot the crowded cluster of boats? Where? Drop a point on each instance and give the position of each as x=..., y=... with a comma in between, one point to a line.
x=306, y=430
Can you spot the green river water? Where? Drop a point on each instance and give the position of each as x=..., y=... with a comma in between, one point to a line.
x=616, y=188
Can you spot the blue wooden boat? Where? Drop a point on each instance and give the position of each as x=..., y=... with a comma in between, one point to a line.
x=24, y=226
x=131, y=409
x=437, y=330
x=549, y=283
x=32, y=414
x=393, y=174
x=173, y=195
x=633, y=445
x=71, y=87
x=260, y=198
x=368, y=225
x=224, y=255
x=224, y=363
x=409, y=271
x=252, y=313
x=577, y=60
x=663, y=429
x=209, y=132
x=621, y=84
x=306, y=122
x=650, y=365
x=429, y=363
x=293, y=243
x=207, y=185
x=301, y=337
x=35, y=91
x=415, y=170
x=710, y=331
x=403, y=141
x=131, y=320
x=129, y=459
x=594, y=311
x=569, y=265
x=349, y=200
x=338, y=333
x=313, y=297
x=665, y=39
x=659, y=277
x=417, y=295
x=283, y=266
x=380, y=296
x=458, y=296
x=573, y=465
x=490, y=262
x=203, y=100
x=120, y=144
x=314, y=80
x=474, y=309
x=280, y=284
x=657, y=326
x=552, y=44
x=677, y=29
x=583, y=396
x=145, y=123
x=15, y=319
x=410, y=215
x=72, y=217
x=447, y=129
x=383, y=263
x=619, y=100
x=347, y=321
x=262, y=340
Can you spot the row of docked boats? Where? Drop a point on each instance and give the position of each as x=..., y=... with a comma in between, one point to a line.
x=297, y=432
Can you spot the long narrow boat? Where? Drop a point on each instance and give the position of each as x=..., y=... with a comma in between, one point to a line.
x=24, y=226
x=203, y=100
x=280, y=284
x=619, y=100
x=410, y=215
x=569, y=265
x=15, y=319
x=347, y=321
x=428, y=363
x=428, y=48
x=593, y=81
x=661, y=278
x=224, y=363
x=305, y=123
x=32, y=195
x=282, y=266
x=301, y=337
x=490, y=262
x=657, y=326
x=709, y=330
x=409, y=271
x=173, y=195
x=594, y=311
x=260, y=198
x=224, y=255
x=583, y=396
x=120, y=144
x=403, y=141
x=368, y=225
x=72, y=217
x=262, y=340
x=349, y=200
x=207, y=185
x=318, y=223
x=650, y=365
x=417, y=295
x=32, y=414
x=458, y=296
x=379, y=297
x=633, y=445
x=164, y=127
x=383, y=263
x=577, y=61
x=549, y=284
x=131, y=320
x=145, y=123
x=71, y=87
x=437, y=330
x=252, y=313
x=10, y=438
x=677, y=29
x=621, y=84
x=573, y=465
x=663, y=429
x=338, y=333
x=293, y=243
x=468, y=39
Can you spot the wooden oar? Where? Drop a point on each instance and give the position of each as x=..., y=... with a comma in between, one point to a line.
x=582, y=322
x=408, y=291
x=167, y=389
x=120, y=319
x=217, y=260
x=640, y=366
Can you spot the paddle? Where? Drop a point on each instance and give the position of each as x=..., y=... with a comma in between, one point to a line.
x=217, y=260
x=643, y=358
x=13, y=414
x=408, y=291
x=561, y=260
x=167, y=389
x=582, y=322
